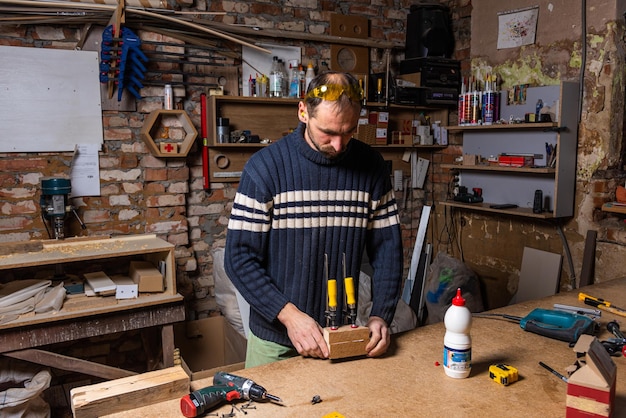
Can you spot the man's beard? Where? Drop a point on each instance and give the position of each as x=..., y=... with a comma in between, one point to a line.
x=327, y=151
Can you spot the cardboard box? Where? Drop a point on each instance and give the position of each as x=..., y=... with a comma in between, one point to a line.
x=147, y=277
x=380, y=119
x=591, y=388
x=210, y=345
x=366, y=133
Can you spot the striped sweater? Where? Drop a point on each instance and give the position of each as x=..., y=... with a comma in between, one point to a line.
x=293, y=206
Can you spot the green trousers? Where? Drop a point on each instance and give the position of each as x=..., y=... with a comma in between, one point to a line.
x=261, y=352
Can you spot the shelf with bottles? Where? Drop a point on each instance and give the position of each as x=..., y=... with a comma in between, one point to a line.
x=549, y=146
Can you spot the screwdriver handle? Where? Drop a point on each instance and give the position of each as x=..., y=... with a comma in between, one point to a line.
x=349, y=285
x=332, y=294
x=583, y=297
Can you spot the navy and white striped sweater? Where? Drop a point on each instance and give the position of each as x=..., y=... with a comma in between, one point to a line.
x=293, y=206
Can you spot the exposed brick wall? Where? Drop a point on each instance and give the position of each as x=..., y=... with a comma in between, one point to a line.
x=141, y=193
x=145, y=194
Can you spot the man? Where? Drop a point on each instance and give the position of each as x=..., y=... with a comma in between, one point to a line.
x=316, y=193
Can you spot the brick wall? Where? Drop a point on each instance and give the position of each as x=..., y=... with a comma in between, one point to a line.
x=144, y=194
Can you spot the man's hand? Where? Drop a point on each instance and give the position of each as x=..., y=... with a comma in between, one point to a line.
x=380, y=337
x=305, y=334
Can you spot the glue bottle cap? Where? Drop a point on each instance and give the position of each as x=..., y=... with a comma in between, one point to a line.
x=458, y=299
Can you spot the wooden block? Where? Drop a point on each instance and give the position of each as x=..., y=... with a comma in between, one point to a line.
x=129, y=392
x=346, y=341
x=100, y=282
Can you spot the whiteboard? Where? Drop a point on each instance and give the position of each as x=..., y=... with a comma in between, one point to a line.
x=49, y=99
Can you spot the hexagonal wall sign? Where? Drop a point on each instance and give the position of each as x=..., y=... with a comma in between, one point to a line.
x=168, y=133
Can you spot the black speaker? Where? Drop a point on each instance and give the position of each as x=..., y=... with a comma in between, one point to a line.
x=429, y=31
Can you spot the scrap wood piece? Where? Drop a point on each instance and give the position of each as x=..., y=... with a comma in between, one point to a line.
x=59, y=361
x=346, y=341
x=129, y=392
x=7, y=248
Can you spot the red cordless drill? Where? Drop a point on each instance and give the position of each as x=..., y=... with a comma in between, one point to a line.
x=226, y=388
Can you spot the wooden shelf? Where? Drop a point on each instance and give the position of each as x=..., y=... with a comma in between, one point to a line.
x=614, y=207
x=82, y=251
x=518, y=185
x=272, y=118
x=503, y=126
x=529, y=170
x=484, y=207
x=82, y=317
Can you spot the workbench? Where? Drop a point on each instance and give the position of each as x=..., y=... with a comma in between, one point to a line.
x=409, y=382
x=83, y=317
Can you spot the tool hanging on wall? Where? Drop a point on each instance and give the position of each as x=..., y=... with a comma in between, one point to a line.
x=126, y=67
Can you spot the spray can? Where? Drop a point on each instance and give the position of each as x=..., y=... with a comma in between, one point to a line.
x=168, y=97
x=457, y=342
x=223, y=130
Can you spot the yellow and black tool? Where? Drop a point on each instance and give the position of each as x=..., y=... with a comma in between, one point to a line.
x=503, y=374
x=348, y=282
x=331, y=302
x=605, y=305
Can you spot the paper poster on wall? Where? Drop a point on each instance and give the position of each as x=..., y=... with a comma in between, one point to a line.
x=85, y=170
x=257, y=63
x=517, y=27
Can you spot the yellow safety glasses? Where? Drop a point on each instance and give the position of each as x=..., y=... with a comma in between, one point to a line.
x=333, y=92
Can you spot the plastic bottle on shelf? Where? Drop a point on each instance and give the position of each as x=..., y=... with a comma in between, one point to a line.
x=294, y=83
x=282, y=79
x=275, y=79
x=301, y=82
x=310, y=75
x=457, y=342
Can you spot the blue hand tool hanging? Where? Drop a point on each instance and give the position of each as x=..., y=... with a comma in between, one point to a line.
x=122, y=60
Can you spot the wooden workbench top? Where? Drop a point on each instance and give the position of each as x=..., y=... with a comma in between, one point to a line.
x=408, y=381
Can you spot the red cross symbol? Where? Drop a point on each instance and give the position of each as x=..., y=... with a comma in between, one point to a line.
x=169, y=147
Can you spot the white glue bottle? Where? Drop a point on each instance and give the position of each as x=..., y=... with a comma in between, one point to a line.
x=457, y=342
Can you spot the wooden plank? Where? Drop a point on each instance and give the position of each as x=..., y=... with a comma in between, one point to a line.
x=80, y=306
x=73, y=364
x=346, y=341
x=81, y=326
x=167, y=342
x=20, y=247
x=127, y=393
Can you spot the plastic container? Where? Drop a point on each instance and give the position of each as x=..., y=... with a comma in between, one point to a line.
x=457, y=342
